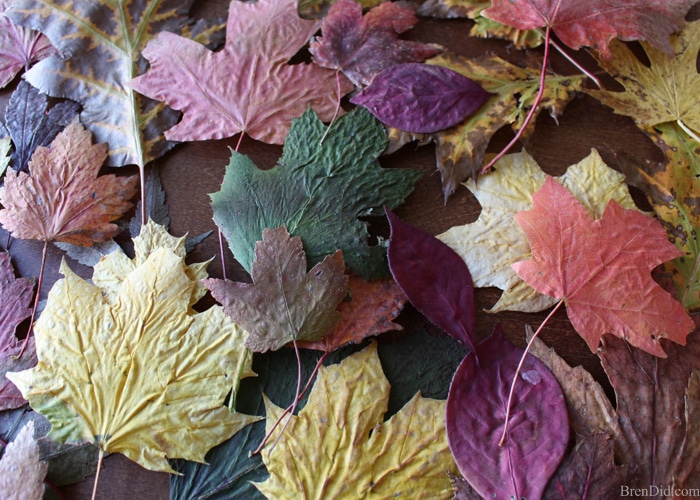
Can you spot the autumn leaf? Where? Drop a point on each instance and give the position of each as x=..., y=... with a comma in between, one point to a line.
x=19, y=47
x=348, y=451
x=596, y=22
x=266, y=93
x=538, y=430
x=5, y=145
x=317, y=190
x=15, y=300
x=363, y=46
x=665, y=90
x=460, y=150
x=174, y=366
x=421, y=98
x=21, y=472
x=284, y=303
x=100, y=44
x=316, y=9
x=606, y=282
x=64, y=199
x=494, y=241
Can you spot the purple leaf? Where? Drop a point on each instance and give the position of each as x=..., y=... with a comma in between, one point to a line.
x=538, y=432
x=421, y=98
x=434, y=278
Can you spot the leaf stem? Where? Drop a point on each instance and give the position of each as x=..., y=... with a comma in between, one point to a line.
x=533, y=109
x=97, y=474
x=688, y=130
x=337, y=106
x=40, y=281
x=517, y=371
x=573, y=61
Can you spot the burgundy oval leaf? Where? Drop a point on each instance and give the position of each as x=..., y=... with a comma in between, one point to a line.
x=421, y=98
x=434, y=278
x=538, y=431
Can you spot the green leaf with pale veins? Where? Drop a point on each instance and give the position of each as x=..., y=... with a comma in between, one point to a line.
x=101, y=43
x=317, y=190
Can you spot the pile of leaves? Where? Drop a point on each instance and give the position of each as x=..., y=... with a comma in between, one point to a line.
x=272, y=385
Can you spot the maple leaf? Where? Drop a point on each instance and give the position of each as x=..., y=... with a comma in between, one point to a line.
x=368, y=310
x=267, y=92
x=15, y=299
x=284, y=303
x=606, y=282
x=596, y=22
x=494, y=241
x=19, y=47
x=664, y=91
x=317, y=190
x=21, y=472
x=100, y=44
x=64, y=199
x=363, y=46
x=157, y=371
x=460, y=149
x=347, y=450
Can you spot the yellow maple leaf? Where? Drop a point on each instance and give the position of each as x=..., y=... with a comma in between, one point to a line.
x=494, y=242
x=340, y=447
x=131, y=367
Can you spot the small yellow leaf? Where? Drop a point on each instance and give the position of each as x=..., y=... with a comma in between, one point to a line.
x=340, y=447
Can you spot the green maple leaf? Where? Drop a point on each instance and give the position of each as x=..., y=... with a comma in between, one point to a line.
x=317, y=190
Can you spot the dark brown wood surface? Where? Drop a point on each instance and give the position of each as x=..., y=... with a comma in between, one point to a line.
x=191, y=171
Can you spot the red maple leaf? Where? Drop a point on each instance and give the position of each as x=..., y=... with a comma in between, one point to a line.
x=602, y=269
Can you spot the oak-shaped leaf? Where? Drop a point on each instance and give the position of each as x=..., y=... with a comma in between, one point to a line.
x=435, y=279
x=602, y=269
x=663, y=90
x=19, y=47
x=363, y=46
x=348, y=450
x=100, y=44
x=494, y=241
x=15, y=301
x=595, y=23
x=64, y=199
x=460, y=149
x=538, y=428
x=128, y=365
x=21, y=473
x=284, y=303
x=317, y=190
x=265, y=92
x=421, y=98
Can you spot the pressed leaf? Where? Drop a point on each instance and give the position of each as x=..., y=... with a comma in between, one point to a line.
x=174, y=367
x=421, y=98
x=460, y=149
x=21, y=472
x=595, y=22
x=100, y=43
x=435, y=279
x=317, y=191
x=284, y=303
x=347, y=451
x=5, y=144
x=538, y=429
x=601, y=269
x=495, y=241
x=362, y=46
x=665, y=90
x=266, y=92
x=316, y=9
x=64, y=199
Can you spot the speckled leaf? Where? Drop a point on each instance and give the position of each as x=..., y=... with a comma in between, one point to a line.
x=101, y=43
x=317, y=190
x=421, y=98
x=361, y=47
x=460, y=149
x=538, y=431
x=21, y=472
x=64, y=199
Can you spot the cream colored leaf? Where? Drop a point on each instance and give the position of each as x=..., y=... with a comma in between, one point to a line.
x=340, y=447
x=21, y=473
x=495, y=241
x=5, y=144
x=131, y=368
